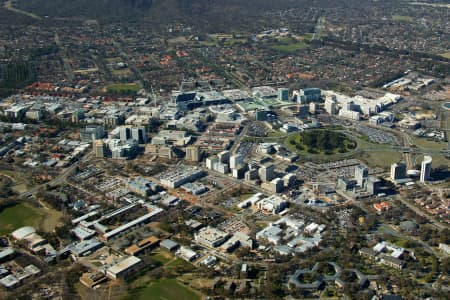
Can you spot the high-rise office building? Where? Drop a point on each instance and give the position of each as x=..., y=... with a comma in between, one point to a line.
x=236, y=160
x=361, y=174
x=331, y=105
x=193, y=153
x=373, y=185
x=224, y=157
x=425, y=170
x=283, y=94
x=124, y=133
x=267, y=172
x=139, y=134
x=92, y=132
x=99, y=148
x=398, y=171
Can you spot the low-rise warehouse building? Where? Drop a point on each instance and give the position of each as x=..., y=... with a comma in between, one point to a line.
x=143, y=246
x=124, y=268
x=211, y=237
x=177, y=177
x=169, y=245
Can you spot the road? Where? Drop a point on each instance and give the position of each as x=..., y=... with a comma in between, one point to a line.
x=422, y=213
x=66, y=65
x=238, y=139
x=388, y=229
x=318, y=29
x=8, y=5
x=59, y=179
x=129, y=61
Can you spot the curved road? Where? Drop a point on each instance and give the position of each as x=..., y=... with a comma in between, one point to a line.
x=59, y=179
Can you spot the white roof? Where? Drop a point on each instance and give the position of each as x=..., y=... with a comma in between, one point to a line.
x=9, y=281
x=22, y=232
x=124, y=265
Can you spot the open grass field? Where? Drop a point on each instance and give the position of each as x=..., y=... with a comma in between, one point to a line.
x=19, y=183
x=111, y=60
x=446, y=54
x=164, y=289
x=277, y=134
x=177, y=262
x=245, y=196
x=402, y=19
x=123, y=88
x=382, y=159
x=161, y=257
x=430, y=145
x=290, y=48
x=123, y=72
x=24, y=214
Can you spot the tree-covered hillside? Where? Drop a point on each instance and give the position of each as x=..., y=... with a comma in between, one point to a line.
x=211, y=11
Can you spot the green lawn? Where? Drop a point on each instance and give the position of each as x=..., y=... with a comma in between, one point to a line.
x=245, y=196
x=290, y=48
x=278, y=134
x=402, y=19
x=308, y=36
x=20, y=215
x=429, y=145
x=123, y=88
x=382, y=159
x=161, y=257
x=122, y=72
x=177, y=262
x=164, y=289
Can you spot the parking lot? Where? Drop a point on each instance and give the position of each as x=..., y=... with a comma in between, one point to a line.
x=257, y=129
x=377, y=136
x=245, y=148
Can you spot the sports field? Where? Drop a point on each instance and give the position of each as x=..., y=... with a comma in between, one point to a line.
x=123, y=88
x=164, y=289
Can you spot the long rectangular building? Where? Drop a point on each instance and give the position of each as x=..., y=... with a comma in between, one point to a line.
x=177, y=177
x=139, y=221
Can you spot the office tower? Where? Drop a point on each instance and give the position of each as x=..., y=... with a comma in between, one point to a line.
x=193, y=153
x=309, y=95
x=331, y=105
x=124, y=133
x=211, y=162
x=283, y=94
x=99, y=148
x=224, y=157
x=91, y=133
x=398, y=171
x=236, y=160
x=373, y=185
x=266, y=172
x=361, y=174
x=139, y=134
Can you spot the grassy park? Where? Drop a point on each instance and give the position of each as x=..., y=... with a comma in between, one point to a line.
x=164, y=289
x=290, y=47
x=123, y=88
x=402, y=19
x=320, y=142
x=24, y=214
